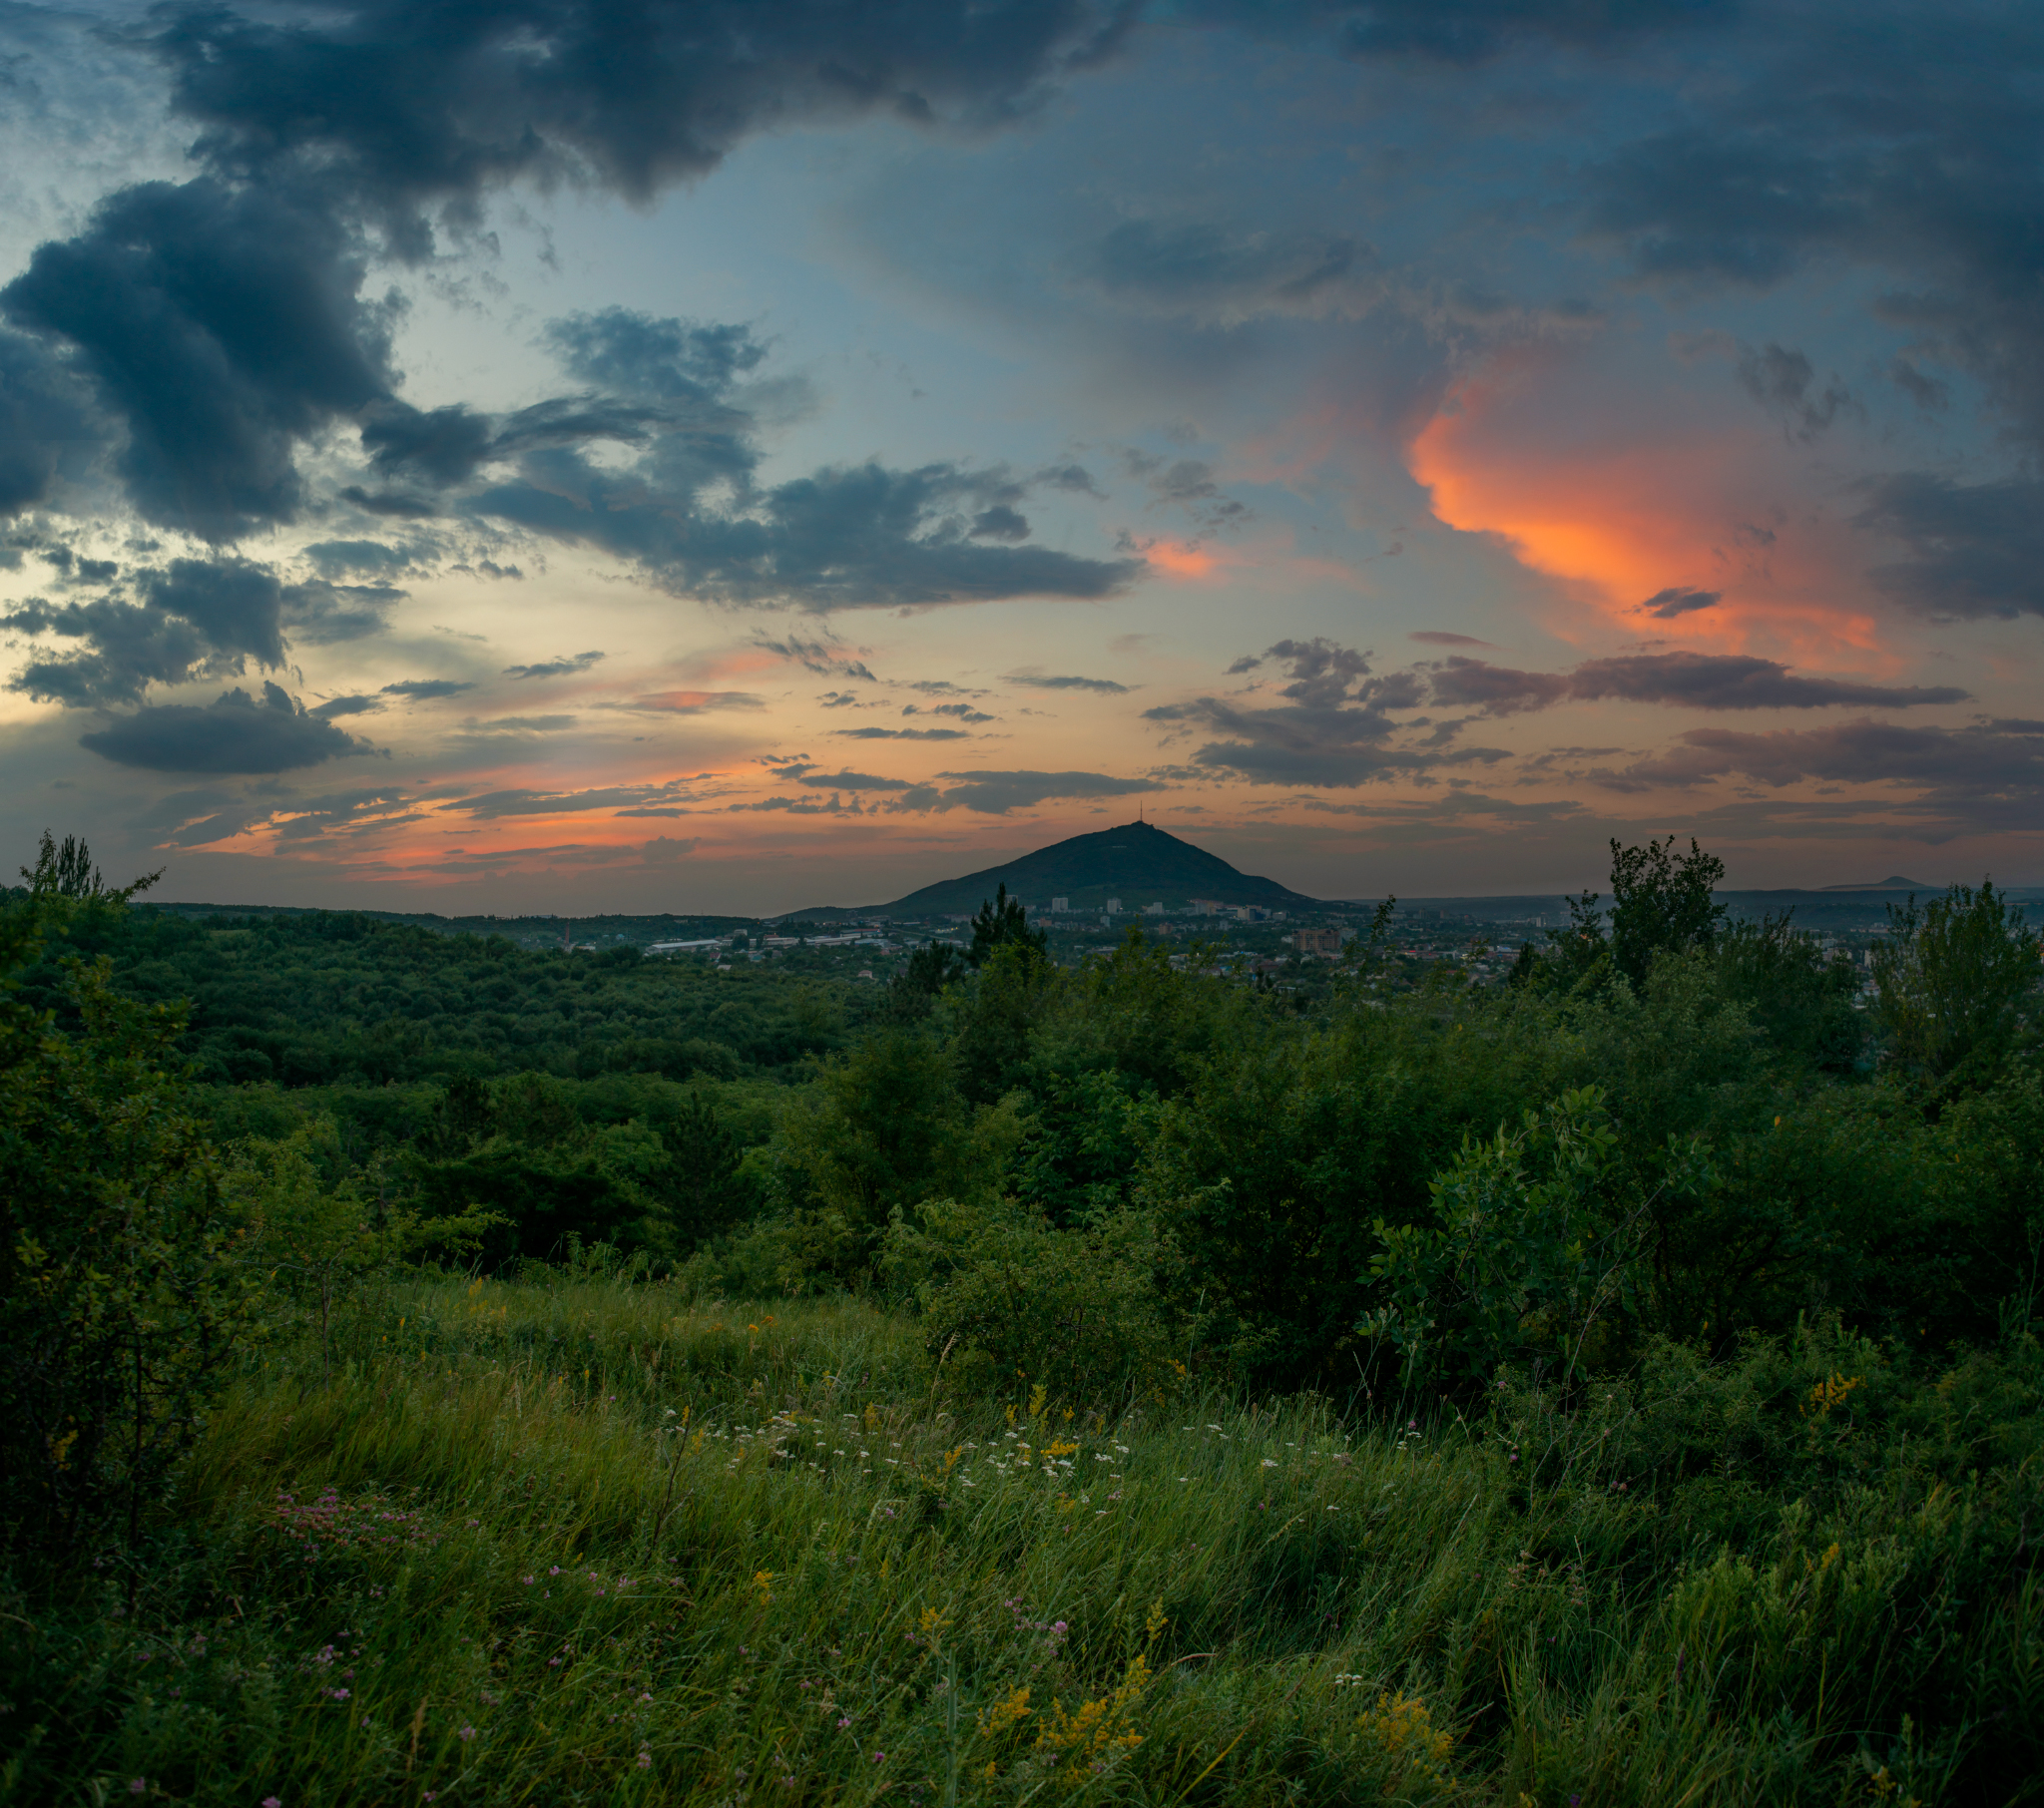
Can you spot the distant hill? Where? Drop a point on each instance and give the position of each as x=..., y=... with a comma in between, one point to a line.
x=1892, y=883
x=1137, y=864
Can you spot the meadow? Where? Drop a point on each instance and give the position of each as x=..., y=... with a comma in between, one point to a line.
x=585, y=1540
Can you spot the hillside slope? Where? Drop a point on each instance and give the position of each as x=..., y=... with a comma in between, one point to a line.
x=1137, y=864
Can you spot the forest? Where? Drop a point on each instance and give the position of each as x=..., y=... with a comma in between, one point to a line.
x=439, y=1370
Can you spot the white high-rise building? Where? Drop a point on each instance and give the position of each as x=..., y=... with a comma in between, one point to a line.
x=1114, y=907
x=1059, y=906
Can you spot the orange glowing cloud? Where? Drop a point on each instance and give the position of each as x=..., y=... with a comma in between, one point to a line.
x=1181, y=559
x=1585, y=491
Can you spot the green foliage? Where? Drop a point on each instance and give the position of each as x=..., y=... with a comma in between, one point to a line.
x=1010, y=1304
x=1951, y=983
x=996, y=1017
x=1001, y=922
x=125, y=1290
x=1671, y=1432
x=338, y=998
x=922, y=980
x=1536, y=1249
x=881, y=1131
x=1272, y=1166
x=1801, y=998
x=1802, y=1576
x=329, y=1231
x=1660, y=905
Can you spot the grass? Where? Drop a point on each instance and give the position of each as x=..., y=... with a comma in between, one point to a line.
x=583, y=1542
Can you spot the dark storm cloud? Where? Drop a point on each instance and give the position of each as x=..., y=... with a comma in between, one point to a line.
x=1675, y=601
x=1466, y=684
x=1338, y=726
x=901, y=733
x=1333, y=729
x=422, y=690
x=1457, y=32
x=334, y=559
x=1733, y=681
x=222, y=321
x=1436, y=637
x=1975, y=780
x=996, y=793
x=1105, y=686
x=1000, y=523
x=442, y=447
x=236, y=604
x=319, y=614
x=851, y=781
x=1974, y=548
x=47, y=422
x=1909, y=146
x=1695, y=680
x=345, y=706
x=124, y=650
x=236, y=733
x=413, y=103
x=560, y=668
x=848, y=537
x=633, y=355
x=195, y=619
x=222, y=326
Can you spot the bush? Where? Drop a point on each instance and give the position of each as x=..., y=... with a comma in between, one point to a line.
x=1009, y=1302
x=125, y=1285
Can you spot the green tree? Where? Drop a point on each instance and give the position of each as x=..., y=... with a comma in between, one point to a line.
x=1801, y=998
x=996, y=1019
x=697, y=1188
x=1574, y=954
x=1001, y=923
x=1952, y=981
x=1538, y=1245
x=328, y=1231
x=125, y=1292
x=915, y=990
x=881, y=1130
x=1660, y=905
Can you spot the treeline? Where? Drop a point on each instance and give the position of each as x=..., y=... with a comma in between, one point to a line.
x=1665, y=1126
x=343, y=999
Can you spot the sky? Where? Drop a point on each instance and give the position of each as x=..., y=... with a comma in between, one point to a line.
x=749, y=454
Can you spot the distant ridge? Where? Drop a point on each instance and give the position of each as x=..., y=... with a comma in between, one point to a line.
x=1137, y=864
x=1894, y=882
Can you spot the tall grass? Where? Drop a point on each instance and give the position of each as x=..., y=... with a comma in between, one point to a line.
x=586, y=1541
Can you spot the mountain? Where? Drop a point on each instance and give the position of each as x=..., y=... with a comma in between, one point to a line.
x=1894, y=882
x=1137, y=864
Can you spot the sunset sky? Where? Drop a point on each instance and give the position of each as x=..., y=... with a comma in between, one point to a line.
x=757, y=453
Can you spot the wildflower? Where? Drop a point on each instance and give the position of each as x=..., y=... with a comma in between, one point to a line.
x=466, y=1733
x=645, y=1760
x=270, y=1801
x=844, y=1724
x=879, y=1757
